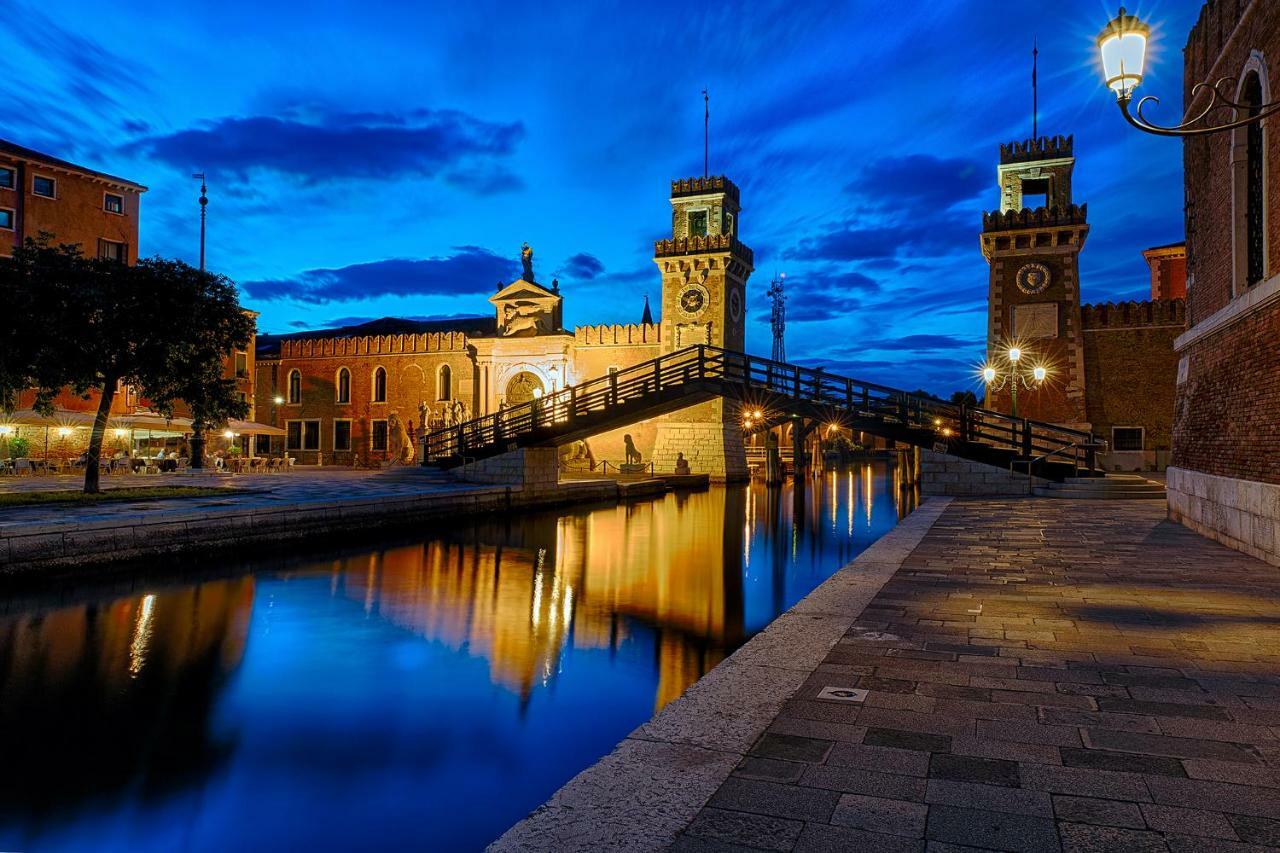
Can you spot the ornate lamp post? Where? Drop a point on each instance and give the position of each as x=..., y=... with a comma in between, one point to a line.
x=1123, y=47
x=1014, y=373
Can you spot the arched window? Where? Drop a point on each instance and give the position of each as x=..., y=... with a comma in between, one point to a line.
x=295, y=386
x=344, y=385
x=380, y=385
x=444, y=383
x=1249, y=182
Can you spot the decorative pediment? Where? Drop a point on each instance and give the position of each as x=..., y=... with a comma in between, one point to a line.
x=526, y=308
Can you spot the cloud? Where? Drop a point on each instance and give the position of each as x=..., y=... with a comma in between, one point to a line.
x=920, y=181
x=582, y=266
x=917, y=343
x=471, y=270
x=319, y=148
x=939, y=236
x=824, y=295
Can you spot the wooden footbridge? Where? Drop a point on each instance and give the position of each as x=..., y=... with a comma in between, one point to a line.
x=699, y=373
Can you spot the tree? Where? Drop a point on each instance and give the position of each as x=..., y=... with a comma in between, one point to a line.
x=965, y=398
x=161, y=326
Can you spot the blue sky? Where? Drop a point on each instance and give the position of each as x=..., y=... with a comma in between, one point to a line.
x=388, y=158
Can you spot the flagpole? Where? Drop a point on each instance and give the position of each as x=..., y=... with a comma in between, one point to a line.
x=1035, y=105
x=706, y=132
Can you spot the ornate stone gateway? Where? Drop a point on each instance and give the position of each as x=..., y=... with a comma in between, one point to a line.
x=523, y=387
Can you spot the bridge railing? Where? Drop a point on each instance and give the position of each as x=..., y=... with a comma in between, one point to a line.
x=751, y=377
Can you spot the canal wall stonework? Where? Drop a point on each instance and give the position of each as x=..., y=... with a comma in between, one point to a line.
x=534, y=468
x=1240, y=514
x=941, y=474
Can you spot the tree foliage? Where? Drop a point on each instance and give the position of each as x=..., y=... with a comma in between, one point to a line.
x=90, y=324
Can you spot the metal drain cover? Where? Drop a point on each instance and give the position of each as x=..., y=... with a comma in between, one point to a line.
x=843, y=694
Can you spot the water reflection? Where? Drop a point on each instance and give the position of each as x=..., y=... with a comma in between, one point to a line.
x=421, y=694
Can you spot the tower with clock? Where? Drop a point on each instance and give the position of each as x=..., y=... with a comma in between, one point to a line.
x=704, y=269
x=1033, y=244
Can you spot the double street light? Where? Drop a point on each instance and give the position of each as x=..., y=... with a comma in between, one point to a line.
x=1013, y=372
x=1123, y=46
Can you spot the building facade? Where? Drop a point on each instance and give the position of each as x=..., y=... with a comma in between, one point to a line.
x=343, y=395
x=1111, y=367
x=1225, y=478
x=43, y=194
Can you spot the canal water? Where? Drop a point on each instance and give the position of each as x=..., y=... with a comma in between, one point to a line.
x=415, y=695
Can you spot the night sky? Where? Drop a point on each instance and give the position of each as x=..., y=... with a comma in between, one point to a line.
x=388, y=158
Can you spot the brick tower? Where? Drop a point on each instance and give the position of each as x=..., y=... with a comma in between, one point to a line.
x=1033, y=244
x=704, y=277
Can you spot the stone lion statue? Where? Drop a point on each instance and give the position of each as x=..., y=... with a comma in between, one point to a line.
x=633, y=453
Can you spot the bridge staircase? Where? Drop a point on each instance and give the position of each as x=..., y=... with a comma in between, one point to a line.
x=698, y=373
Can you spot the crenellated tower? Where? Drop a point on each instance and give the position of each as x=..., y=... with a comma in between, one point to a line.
x=704, y=269
x=1033, y=244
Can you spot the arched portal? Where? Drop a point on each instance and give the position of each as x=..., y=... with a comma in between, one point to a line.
x=523, y=387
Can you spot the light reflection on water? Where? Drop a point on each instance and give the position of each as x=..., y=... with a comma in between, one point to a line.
x=423, y=694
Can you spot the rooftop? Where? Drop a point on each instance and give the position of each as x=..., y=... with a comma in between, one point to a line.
x=477, y=326
x=12, y=149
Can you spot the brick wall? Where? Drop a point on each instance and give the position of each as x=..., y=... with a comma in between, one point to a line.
x=598, y=348
x=1130, y=373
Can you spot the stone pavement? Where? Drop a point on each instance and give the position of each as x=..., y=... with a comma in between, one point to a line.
x=1040, y=675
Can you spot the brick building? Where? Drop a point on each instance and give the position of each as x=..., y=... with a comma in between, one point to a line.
x=343, y=394
x=40, y=193
x=1111, y=367
x=1225, y=477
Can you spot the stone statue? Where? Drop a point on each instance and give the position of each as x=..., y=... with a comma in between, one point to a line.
x=424, y=415
x=396, y=438
x=459, y=412
x=526, y=258
x=522, y=320
x=633, y=454
x=682, y=465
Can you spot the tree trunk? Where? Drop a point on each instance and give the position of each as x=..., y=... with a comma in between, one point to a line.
x=95, y=438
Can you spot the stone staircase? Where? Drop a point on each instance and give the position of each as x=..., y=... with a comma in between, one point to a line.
x=1111, y=487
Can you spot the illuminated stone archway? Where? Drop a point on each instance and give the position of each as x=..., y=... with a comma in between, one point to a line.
x=523, y=387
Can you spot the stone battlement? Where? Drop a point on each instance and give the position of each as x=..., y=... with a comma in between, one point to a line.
x=374, y=345
x=1041, y=217
x=1040, y=148
x=698, y=245
x=1127, y=315
x=642, y=334
x=702, y=186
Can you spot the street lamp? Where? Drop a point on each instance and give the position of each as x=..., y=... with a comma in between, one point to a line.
x=1013, y=375
x=1122, y=45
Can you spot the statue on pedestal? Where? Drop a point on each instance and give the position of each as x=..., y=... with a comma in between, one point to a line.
x=634, y=463
x=526, y=260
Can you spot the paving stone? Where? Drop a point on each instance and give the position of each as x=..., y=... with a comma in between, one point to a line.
x=1200, y=844
x=693, y=844
x=1177, y=747
x=1172, y=819
x=1032, y=753
x=749, y=830
x=1218, y=796
x=854, y=780
x=993, y=830
x=1256, y=830
x=769, y=769
x=1100, y=719
x=1231, y=771
x=994, y=798
x=877, y=814
x=775, y=800
x=1096, y=811
x=1088, y=838
x=918, y=741
x=843, y=732
x=1122, y=762
x=908, y=762
x=1028, y=732
x=964, y=768
x=791, y=748
x=1083, y=782
x=817, y=838
x=1164, y=709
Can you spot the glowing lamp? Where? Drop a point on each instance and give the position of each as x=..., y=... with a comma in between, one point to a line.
x=228, y=434
x=1014, y=354
x=277, y=399
x=988, y=374
x=1039, y=374
x=119, y=433
x=757, y=414
x=6, y=430
x=64, y=431
x=1123, y=46
x=537, y=393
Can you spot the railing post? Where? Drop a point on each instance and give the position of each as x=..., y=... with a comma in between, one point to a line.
x=613, y=389
x=657, y=375
x=702, y=361
x=848, y=393
x=964, y=422
x=796, y=379
x=573, y=402
x=1026, y=438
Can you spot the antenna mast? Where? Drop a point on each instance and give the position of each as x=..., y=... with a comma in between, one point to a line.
x=778, y=316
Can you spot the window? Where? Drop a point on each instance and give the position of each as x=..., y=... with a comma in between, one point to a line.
x=293, y=435
x=697, y=223
x=344, y=385
x=112, y=251
x=6, y=219
x=295, y=386
x=7, y=178
x=379, y=436
x=310, y=435
x=728, y=222
x=1249, y=184
x=46, y=187
x=113, y=203
x=380, y=385
x=1255, y=261
x=342, y=435
x=1127, y=438
x=444, y=383
x=1035, y=193
x=242, y=364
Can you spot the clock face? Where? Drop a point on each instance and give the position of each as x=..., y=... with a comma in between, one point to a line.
x=735, y=305
x=1033, y=278
x=693, y=300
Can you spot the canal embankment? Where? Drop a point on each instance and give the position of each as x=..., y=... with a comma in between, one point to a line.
x=654, y=783
x=272, y=513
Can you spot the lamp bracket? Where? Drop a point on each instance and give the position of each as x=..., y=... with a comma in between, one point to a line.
x=1217, y=100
